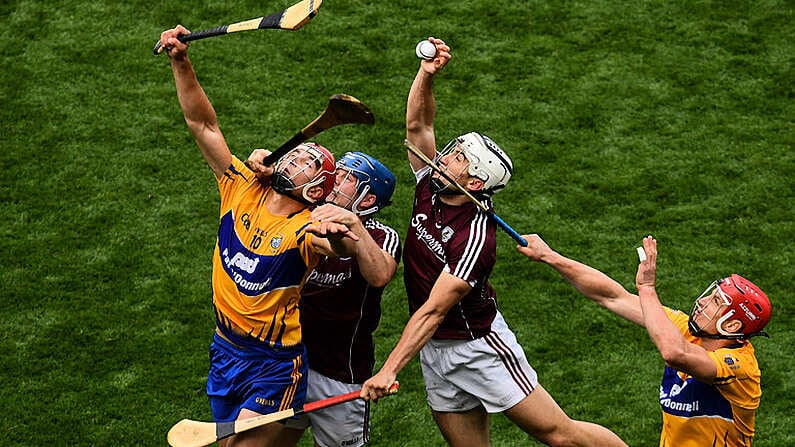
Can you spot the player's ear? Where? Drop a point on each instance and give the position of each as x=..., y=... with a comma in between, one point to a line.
x=475, y=184
x=315, y=193
x=733, y=326
x=367, y=202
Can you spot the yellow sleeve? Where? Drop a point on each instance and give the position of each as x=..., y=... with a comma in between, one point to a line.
x=236, y=178
x=738, y=377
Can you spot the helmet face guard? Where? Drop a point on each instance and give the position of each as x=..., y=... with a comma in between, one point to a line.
x=304, y=167
x=450, y=152
x=733, y=298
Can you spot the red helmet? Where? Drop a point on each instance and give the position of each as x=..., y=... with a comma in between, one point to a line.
x=744, y=301
x=747, y=303
x=328, y=168
x=320, y=160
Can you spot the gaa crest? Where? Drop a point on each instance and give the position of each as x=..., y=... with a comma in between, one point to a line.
x=447, y=233
x=276, y=241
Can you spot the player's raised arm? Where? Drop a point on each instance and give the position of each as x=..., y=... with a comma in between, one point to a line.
x=199, y=113
x=674, y=348
x=592, y=283
x=421, y=105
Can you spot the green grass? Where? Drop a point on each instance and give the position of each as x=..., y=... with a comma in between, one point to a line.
x=623, y=119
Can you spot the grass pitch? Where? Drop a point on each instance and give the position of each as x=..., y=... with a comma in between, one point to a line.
x=623, y=119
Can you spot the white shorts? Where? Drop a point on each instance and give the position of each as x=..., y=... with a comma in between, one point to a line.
x=491, y=371
x=343, y=425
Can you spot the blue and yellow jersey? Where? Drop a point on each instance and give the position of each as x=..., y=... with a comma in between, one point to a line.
x=696, y=414
x=259, y=264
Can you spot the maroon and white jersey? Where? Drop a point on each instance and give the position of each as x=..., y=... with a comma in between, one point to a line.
x=460, y=240
x=340, y=312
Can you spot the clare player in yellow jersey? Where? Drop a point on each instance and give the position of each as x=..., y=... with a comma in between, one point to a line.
x=266, y=245
x=711, y=384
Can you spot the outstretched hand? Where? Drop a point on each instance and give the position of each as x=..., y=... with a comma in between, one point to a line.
x=647, y=269
x=536, y=248
x=442, y=57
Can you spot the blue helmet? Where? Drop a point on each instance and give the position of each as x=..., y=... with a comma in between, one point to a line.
x=373, y=177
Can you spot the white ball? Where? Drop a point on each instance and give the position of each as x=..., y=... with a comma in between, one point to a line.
x=426, y=50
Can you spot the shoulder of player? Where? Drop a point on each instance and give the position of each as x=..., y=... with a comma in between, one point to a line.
x=374, y=225
x=238, y=168
x=478, y=224
x=474, y=240
x=741, y=361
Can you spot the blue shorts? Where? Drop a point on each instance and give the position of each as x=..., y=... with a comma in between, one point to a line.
x=261, y=381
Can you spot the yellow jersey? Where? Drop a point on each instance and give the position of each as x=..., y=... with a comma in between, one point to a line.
x=719, y=414
x=260, y=263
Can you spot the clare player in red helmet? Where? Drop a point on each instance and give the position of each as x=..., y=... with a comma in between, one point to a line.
x=266, y=244
x=711, y=384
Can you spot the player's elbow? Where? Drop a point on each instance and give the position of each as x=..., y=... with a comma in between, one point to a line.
x=673, y=355
x=432, y=312
x=381, y=279
x=419, y=130
x=202, y=129
x=415, y=125
x=379, y=271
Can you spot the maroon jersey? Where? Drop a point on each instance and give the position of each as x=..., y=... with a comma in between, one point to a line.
x=460, y=240
x=340, y=312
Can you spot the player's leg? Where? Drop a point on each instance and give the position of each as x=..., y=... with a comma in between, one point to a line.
x=461, y=419
x=267, y=435
x=295, y=427
x=498, y=374
x=540, y=416
x=243, y=383
x=347, y=424
x=468, y=428
x=288, y=436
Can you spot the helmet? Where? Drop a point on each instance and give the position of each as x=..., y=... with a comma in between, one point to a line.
x=320, y=159
x=486, y=160
x=744, y=301
x=372, y=177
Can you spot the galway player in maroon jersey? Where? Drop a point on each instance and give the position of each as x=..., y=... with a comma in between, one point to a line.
x=341, y=302
x=471, y=362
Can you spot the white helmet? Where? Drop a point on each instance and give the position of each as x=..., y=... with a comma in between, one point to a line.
x=486, y=160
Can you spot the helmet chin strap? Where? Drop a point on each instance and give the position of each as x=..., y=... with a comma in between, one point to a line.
x=358, y=200
x=437, y=187
x=284, y=186
x=696, y=331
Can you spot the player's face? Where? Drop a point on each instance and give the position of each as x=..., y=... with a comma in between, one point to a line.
x=455, y=165
x=300, y=166
x=344, y=192
x=709, y=307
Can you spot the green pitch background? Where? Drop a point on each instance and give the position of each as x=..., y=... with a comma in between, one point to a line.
x=623, y=118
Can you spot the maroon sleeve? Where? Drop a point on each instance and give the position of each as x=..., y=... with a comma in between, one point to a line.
x=472, y=251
